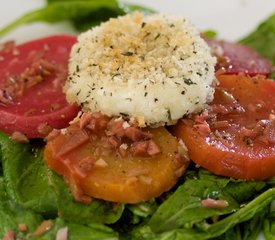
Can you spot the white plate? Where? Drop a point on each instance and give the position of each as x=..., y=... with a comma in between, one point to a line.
x=231, y=19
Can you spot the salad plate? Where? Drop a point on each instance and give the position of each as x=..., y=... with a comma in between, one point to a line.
x=227, y=20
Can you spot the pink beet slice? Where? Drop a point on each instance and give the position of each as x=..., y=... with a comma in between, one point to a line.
x=235, y=58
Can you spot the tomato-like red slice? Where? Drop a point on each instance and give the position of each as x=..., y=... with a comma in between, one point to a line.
x=32, y=77
x=235, y=58
x=236, y=136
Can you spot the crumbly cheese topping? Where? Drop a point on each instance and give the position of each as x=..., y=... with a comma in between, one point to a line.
x=154, y=68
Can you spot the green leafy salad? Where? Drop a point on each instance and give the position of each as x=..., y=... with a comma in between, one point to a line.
x=35, y=202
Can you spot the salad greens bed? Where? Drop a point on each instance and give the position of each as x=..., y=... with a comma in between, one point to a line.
x=30, y=193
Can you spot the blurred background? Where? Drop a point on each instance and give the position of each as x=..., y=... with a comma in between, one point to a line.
x=230, y=19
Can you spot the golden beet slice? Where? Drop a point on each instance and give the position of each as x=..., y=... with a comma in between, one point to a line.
x=92, y=166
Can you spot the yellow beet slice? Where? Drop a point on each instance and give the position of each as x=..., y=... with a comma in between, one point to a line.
x=93, y=168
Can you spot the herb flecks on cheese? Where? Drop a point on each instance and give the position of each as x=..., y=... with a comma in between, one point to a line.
x=153, y=68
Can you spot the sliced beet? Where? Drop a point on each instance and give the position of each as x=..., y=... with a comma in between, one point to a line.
x=235, y=58
x=32, y=76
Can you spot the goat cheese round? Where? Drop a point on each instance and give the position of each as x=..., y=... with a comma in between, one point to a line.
x=155, y=69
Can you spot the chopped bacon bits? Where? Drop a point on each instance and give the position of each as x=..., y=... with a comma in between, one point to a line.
x=52, y=135
x=8, y=46
x=201, y=124
x=114, y=141
x=55, y=106
x=22, y=227
x=84, y=120
x=201, y=118
x=79, y=138
x=44, y=227
x=5, y=98
x=96, y=122
x=153, y=148
x=17, y=85
x=263, y=130
x=145, y=148
x=44, y=129
x=219, y=124
x=136, y=134
x=9, y=235
x=271, y=117
x=115, y=127
x=119, y=133
x=122, y=150
x=19, y=137
x=214, y=204
x=269, y=132
x=139, y=149
x=203, y=128
x=86, y=164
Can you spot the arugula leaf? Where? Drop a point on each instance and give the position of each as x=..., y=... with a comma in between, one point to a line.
x=244, y=190
x=249, y=211
x=269, y=224
x=77, y=231
x=83, y=14
x=134, y=214
x=253, y=227
x=209, y=34
x=263, y=38
x=61, y=11
x=2, y=189
x=181, y=216
x=91, y=232
x=96, y=212
x=144, y=209
x=129, y=8
x=183, y=208
x=28, y=182
x=11, y=214
x=269, y=229
x=248, y=230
